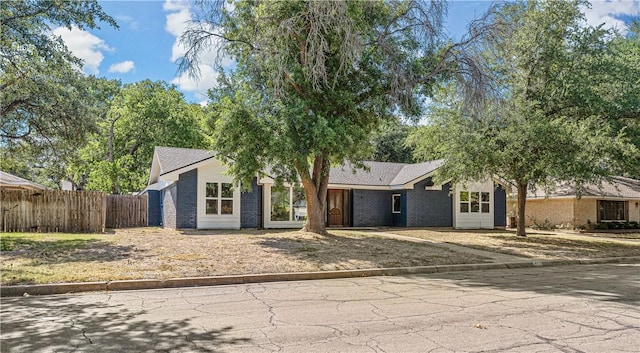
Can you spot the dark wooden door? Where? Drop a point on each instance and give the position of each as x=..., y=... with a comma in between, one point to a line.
x=335, y=206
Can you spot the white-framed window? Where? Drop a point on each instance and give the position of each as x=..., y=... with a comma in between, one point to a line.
x=288, y=204
x=475, y=202
x=218, y=198
x=395, y=203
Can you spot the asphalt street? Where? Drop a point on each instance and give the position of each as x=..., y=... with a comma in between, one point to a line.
x=579, y=308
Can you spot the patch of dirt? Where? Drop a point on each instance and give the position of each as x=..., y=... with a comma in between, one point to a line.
x=155, y=253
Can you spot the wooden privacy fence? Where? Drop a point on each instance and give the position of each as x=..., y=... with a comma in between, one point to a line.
x=126, y=211
x=52, y=211
x=69, y=211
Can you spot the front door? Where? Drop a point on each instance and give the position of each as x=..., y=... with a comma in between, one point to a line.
x=337, y=207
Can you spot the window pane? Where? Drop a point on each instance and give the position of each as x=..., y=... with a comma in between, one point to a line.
x=299, y=204
x=212, y=190
x=279, y=203
x=612, y=210
x=485, y=207
x=464, y=196
x=227, y=207
x=227, y=190
x=464, y=207
x=396, y=203
x=475, y=202
x=485, y=197
x=211, y=207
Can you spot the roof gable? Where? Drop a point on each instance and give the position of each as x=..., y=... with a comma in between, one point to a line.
x=169, y=159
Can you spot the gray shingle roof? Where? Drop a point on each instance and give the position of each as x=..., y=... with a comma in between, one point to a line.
x=378, y=173
x=381, y=173
x=619, y=187
x=172, y=158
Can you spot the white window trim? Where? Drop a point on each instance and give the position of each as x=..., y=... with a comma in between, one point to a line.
x=480, y=202
x=219, y=199
x=393, y=199
x=268, y=223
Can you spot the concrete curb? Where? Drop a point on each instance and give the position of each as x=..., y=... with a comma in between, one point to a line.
x=62, y=288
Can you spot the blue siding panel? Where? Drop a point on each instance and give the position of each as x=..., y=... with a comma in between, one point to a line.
x=429, y=208
x=187, y=200
x=499, y=207
x=251, y=206
x=154, y=216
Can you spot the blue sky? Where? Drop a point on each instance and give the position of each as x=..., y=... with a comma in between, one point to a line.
x=146, y=46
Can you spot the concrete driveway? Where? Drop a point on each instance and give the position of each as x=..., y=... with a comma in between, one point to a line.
x=581, y=308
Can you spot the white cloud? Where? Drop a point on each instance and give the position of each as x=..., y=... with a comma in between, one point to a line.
x=130, y=21
x=123, y=67
x=177, y=22
x=85, y=46
x=208, y=79
x=609, y=12
x=178, y=17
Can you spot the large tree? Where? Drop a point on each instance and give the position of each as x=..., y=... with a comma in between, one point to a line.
x=313, y=79
x=46, y=104
x=140, y=116
x=389, y=143
x=553, y=118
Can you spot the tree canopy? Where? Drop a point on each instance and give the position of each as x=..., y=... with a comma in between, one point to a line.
x=46, y=104
x=140, y=116
x=556, y=113
x=314, y=78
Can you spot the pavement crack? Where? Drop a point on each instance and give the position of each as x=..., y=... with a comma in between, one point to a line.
x=84, y=334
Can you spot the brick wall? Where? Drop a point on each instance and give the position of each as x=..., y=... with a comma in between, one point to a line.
x=372, y=208
x=187, y=200
x=251, y=206
x=169, y=196
x=429, y=208
x=585, y=210
x=557, y=211
x=634, y=211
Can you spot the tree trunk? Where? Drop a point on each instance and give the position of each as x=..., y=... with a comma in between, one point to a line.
x=315, y=210
x=522, y=201
x=315, y=190
x=115, y=189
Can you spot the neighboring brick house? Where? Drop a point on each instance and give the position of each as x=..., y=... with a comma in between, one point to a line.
x=189, y=189
x=615, y=201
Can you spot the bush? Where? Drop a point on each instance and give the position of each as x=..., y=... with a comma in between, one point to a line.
x=546, y=225
x=617, y=225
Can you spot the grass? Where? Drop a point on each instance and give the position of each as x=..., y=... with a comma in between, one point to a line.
x=153, y=253
x=535, y=245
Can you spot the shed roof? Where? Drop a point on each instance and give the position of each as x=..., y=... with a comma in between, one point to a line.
x=11, y=181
